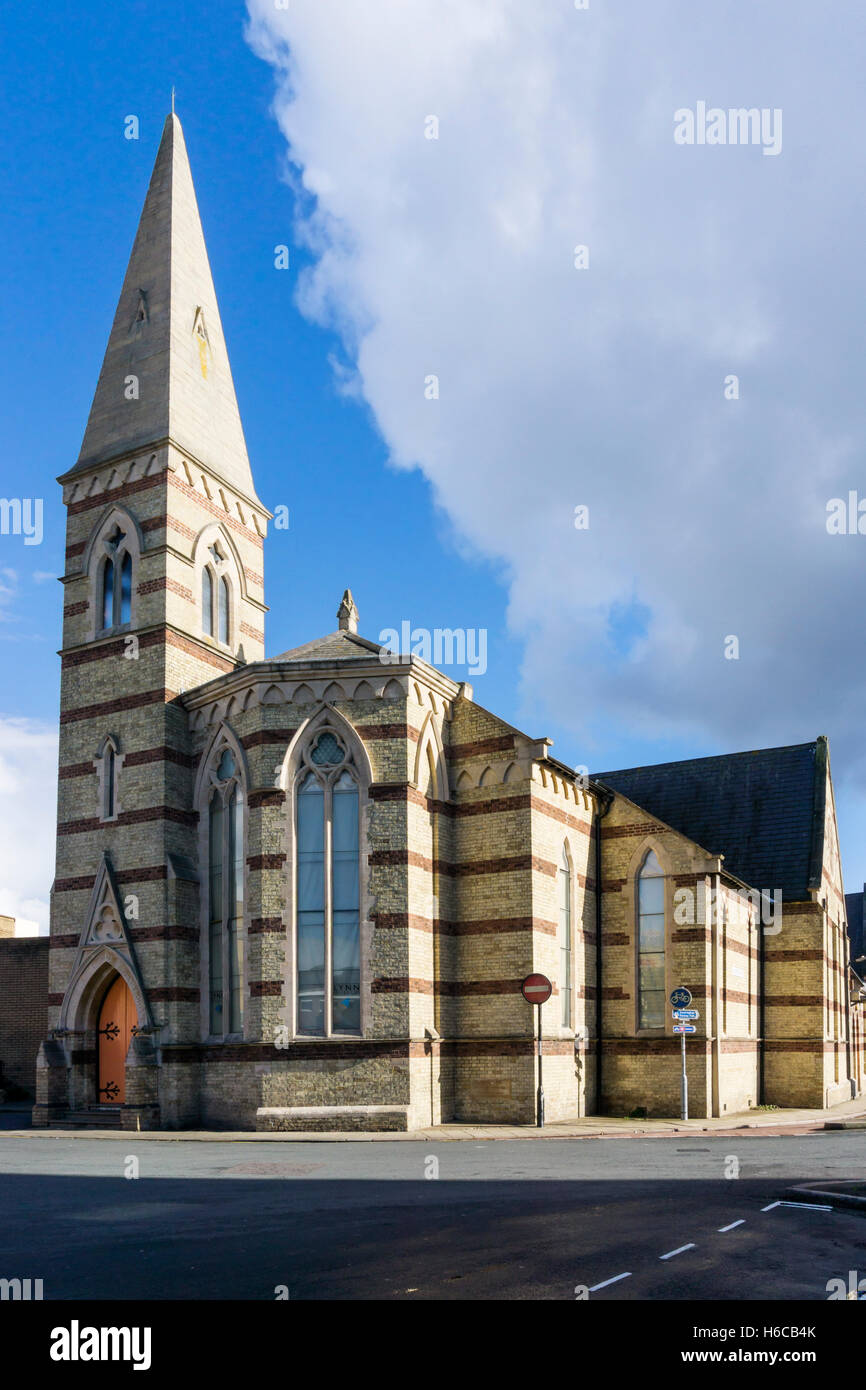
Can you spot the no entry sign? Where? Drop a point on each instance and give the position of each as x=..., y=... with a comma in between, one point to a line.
x=537, y=989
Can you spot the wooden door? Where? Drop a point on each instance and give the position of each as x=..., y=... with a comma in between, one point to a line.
x=116, y=1020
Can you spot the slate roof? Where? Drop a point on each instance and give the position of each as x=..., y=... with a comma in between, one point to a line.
x=764, y=810
x=856, y=930
x=336, y=646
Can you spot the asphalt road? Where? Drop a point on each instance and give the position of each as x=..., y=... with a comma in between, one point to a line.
x=524, y=1220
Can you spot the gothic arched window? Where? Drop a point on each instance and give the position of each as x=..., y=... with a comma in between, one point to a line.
x=651, y=943
x=328, y=891
x=115, y=599
x=226, y=898
x=216, y=596
x=564, y=885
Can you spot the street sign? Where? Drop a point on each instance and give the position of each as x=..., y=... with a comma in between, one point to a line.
x=681, y=998
x=685, y=1028
x=537, y=989
x=686, y=1013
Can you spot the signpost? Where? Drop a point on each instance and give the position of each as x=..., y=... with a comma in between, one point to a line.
x=680, y=1000
x=536, y=990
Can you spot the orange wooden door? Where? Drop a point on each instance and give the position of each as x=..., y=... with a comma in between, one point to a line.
x=116, y=1019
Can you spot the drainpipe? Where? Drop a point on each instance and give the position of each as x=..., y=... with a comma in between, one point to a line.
x=716, y=974
x=604, y=801
x=762, y=1099
x=845, y=992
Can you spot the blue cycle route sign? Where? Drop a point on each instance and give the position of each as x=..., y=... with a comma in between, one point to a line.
x=681, y=998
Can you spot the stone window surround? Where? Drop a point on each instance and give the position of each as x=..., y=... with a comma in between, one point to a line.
x=292, y=771
x=95, y=561
x=650, y=843
x=224, y=738
x=101, y=763
x=228, y=569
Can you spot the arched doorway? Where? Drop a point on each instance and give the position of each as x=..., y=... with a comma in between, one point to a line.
x=117, y=1017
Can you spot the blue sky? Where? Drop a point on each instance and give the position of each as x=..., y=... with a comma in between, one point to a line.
x=559, y=387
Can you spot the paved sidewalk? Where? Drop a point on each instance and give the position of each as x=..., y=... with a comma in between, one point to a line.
x=850, y=1115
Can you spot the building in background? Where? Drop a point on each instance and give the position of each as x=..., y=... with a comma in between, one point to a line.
x=23, y=1009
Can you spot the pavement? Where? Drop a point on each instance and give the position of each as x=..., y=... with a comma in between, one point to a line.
x=852, y=1114
x=684, y=1217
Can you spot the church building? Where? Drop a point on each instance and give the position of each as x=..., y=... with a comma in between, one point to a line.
x=301, y=892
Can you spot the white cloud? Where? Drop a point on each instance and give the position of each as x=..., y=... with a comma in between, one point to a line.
x=605, y=386
x=28, y=788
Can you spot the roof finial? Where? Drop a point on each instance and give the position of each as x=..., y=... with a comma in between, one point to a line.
x=347, y=613
x=172, y=99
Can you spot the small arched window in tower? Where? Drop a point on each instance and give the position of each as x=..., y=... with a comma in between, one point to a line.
x=107, y=764
x=223, y=631
x=207, y=602
x=226, y=898
x=651, y=944
x=328, y=891
x=116, y=596
x=564, y=883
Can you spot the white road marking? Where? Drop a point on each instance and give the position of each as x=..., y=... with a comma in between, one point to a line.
x=806, y=1206
x=678, y=1251
x=741, y=1222
x=771, y=1206
x=615, y=1280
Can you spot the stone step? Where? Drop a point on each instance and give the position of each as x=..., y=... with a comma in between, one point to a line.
x=91, y=1117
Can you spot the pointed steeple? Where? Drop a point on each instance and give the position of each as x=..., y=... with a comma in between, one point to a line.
x=166, y=370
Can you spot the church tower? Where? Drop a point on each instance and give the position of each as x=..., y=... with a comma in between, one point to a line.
x=163, y=591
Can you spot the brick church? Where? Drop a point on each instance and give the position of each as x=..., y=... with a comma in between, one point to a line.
x=301, y=891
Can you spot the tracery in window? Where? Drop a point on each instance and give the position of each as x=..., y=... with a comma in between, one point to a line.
x=115, y=600
x=328, y=890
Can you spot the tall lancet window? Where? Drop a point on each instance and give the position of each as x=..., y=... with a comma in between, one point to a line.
x=651, y=944
x=564, y=884
x=223, y=626
x=116, y=584
x=108, y=763
x=328, y=891
x=226, y=898
x=207, y=602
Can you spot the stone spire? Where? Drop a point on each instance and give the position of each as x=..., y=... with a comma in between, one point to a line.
x=347, y=613
x=166, y=371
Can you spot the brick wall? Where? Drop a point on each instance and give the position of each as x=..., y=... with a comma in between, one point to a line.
x=23, y=1008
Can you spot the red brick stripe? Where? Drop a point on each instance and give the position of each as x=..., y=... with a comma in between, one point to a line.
x=270, y=797
x=100, y=499
x=484, y=745
x=126, y=702
x=265, y=736
x=148, y=813
x=264, y=925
